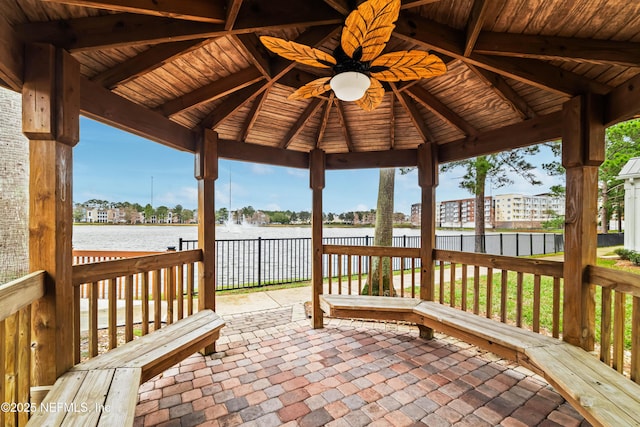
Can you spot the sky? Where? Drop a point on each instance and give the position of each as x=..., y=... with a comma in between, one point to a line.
x=117, y=166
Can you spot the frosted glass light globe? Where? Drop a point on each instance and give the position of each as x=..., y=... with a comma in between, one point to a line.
x=350, y=85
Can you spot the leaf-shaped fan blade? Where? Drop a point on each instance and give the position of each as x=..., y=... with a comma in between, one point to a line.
x=407, y=65
x=368, y=29
x=298, y=52
x=372, y=97
x=314, y=88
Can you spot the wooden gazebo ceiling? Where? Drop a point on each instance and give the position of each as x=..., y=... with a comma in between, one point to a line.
x=200, y=64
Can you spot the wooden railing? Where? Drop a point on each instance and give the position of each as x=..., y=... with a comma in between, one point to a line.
x=166, y=292
x=508, y=289
x=16, y=298
x=348, y=268
x=618, y=319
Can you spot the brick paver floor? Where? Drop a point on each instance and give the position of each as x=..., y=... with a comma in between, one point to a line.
x=273, y=369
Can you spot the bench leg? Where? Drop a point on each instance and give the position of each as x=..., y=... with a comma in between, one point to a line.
x=424, y=332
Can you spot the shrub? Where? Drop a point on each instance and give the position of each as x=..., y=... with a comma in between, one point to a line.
x=634, y=257
x=623, y=253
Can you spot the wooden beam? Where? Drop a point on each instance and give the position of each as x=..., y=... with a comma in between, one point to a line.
x=206, y=173
x=253, y=115
x=446, y=40
x=236, y=150
x=345, y=127
x=325, y=119
x=233, y=103
x=563, y=48
x=50, y=204
x=104, y=106
x=372, y=159
x=530, y=132
x=12, y=54
x=498, y=84
x=306, y=115
x=212, y=91
x=147, y=61
x=343, y=6
x=582, y=151
x=475, y=23
x=256, y=51
x=434, y=105
x=191, y=10
x=233, y=9
x=623, y=103
x=414, y=114
x=317, y=166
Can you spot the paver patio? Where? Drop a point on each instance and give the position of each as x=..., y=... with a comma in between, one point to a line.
x=273, y=369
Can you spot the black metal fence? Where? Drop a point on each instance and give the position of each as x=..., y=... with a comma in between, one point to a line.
x=258, y=262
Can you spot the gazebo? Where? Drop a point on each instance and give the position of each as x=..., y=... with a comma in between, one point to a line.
x=195, y=76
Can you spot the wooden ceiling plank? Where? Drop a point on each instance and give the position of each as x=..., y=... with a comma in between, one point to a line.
x=325, y=120
x=475, y=23
x=252, y=117
x=257, y=53
x=233, y=9
x=192, y=10
x=231, y=104
x=147, y=61
x=529, y=132
x=100, y=104
x=12, y=54
x=546, y=47
x=623, y=103
x=124, y=29
x=446, y=40
x=299, y=125
x=211, y=91
x=236, y=150
x=506, y=92
x=345, y=127
x=414, y=114
x=434, y=105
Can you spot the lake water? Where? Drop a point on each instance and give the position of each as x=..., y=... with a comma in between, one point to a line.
x=159, y=237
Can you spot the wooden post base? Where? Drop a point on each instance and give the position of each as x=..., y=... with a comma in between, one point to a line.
x=424, y=332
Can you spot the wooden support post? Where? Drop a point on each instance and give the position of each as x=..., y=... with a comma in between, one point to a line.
x=50, y=119
x=582, y=153
x=317, y=163
x=428, y=181
x=206, y=172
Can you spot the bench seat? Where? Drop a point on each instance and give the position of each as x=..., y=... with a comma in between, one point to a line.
x=103, y=391
x=603, y=396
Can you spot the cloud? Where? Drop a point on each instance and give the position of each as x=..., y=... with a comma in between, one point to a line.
x=259, y=169
x=185, y=196
x=273, y=207
x=298, y=173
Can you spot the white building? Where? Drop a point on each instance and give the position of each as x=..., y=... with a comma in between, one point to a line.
x=526, y=211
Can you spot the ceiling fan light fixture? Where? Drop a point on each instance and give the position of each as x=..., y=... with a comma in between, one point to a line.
x=350, y=85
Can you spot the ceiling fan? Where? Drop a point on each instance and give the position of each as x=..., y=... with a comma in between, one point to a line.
x=357, y=62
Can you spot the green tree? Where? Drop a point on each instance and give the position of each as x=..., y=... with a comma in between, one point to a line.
x=148, y=213
x=161, y=213
x=279, y=217
x=78, y=213
x=492, y=167
x=177, y=211
x=187, y=215
x=222, y=215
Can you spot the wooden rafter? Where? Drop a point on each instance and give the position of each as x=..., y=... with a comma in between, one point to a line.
x=193, y=10
x=325, y=119
x=546, y=47
x=11, y=52
x=343, y=6
x=105, y=106
x=258, y=55
x=124, y=29
x=474, y=25
x=253, y=115
x=231, y=104
x=506, y=92
x=414, y=114
x=446, y=40
x=299, y=125
x=437, y=107
x=233, y=9
x=345, y=126
x=145, y=62
x=623, y=102
x=212, y=91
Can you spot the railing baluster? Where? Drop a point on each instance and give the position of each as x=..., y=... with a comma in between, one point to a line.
x=519, y=297
x=128, y=306
x=339, y=274
x=93, y=319
x=329, y=272
x=489, y=310
x=605, y=327
x=463, y=288
x=536, y=303
x=556, y=307
x=24, y=362
x=634, y=371
x=618, y=331
x=190, y=288
x=452, y=284
x=359, y=274
x=145, y=302
x=169, y=287
x=413, y=277
x=476, y=289
x=441, y=292
x=504, y=283
x=180, y=291
x=402, y=277
x=157, y=300
x=113, y=314
x=76, y=324
x=349, y=272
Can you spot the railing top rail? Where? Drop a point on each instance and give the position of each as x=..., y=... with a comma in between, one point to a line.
x=371, y=251
x=20, y=293
x=620, y=281
x=107, y=254
x=537, y=266
x=92, y=272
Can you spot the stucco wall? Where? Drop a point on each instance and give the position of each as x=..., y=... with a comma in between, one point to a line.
x=14, y=189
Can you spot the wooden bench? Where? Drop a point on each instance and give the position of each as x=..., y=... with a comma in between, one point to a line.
x=103, y=391
x=603, y=396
